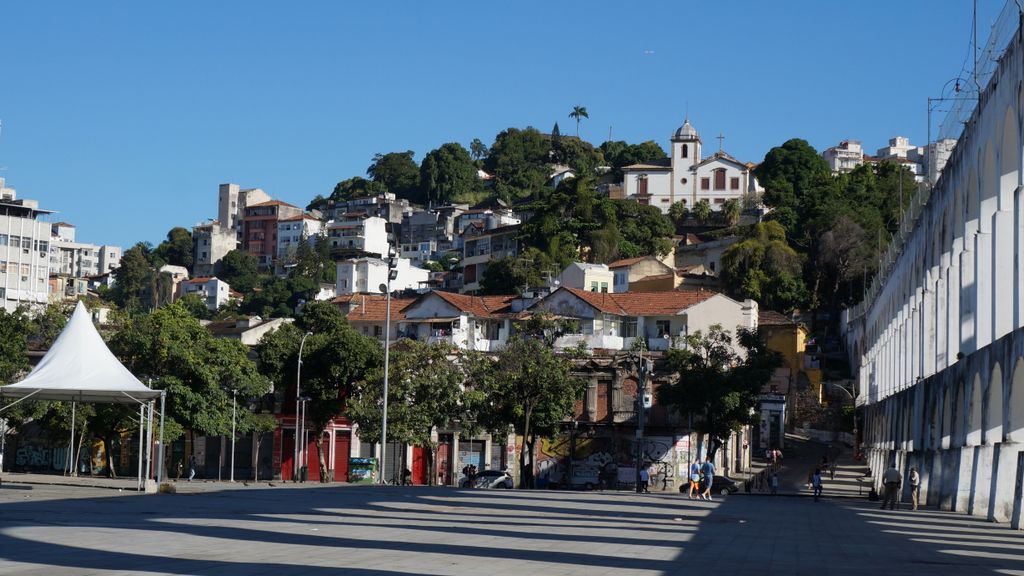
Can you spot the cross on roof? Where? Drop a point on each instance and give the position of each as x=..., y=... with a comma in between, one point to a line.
x=720, y=139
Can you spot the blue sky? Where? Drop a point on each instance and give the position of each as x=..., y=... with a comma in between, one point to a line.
x=125, y=116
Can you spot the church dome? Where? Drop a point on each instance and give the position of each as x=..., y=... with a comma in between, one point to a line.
x=686, y=132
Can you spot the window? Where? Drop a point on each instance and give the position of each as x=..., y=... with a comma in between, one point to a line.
x=366, y=330
x=705, y=183
x=665, y=200
x=641, y=185
x=377, y=331
x=719, y=179
x=734, y=183
x=3, y=239
x=604, y=287
x=14, y=241
x=629, y=327
x=593, y=286
x=711, y=265
x=685, y=152
x=719, y=200
x=664, y=328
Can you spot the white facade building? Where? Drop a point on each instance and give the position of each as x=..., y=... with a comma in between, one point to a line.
x=358, y=233
x=24, y=251
x=688, y=177
x=214, y=291
x=293, y=231
x=367, y=275
x=591, y=277
x=212, y=242
x=71, y=259
x=844, y=157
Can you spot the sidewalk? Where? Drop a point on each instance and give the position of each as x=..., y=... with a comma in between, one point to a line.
x=802, y=456
x=131, y=484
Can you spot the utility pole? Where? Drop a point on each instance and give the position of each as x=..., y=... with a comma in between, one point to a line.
x=641, y=408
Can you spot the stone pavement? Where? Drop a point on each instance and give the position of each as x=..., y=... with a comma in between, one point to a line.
x=390, y=531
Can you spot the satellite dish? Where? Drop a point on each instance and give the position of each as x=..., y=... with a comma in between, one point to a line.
x=383, y=288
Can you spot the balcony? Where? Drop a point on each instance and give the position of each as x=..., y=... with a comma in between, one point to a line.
x=593, y=341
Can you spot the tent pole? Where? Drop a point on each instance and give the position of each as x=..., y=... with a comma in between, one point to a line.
x=71, y=445
x=149, y=442
x=142, y=441
x=160, y=452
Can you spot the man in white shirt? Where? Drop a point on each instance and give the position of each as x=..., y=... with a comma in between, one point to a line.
x=891, y=479
x=915, y=486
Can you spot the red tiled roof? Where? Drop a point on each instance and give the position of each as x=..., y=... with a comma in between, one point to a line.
x=643, y=303
x=200, y=280
x=772, y=318
x=479, y=306
x=272, y=203
x=372, y=307
x=299, y=217
x=626, y=262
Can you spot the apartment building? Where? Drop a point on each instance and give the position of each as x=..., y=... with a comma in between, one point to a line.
x=259, y=229
x=24, y=251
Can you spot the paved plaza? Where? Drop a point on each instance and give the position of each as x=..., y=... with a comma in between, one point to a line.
x=223, y=529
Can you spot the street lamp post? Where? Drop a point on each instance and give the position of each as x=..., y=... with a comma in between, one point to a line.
x=640, y=413
x=234, y=408
x=392, y=274
x=298, y=389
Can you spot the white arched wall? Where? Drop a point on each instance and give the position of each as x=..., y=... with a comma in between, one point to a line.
x=983, y=247
x=974, y=420
x=968, y=284
x=1015, y=426
x=1003, y=232
x=994, y=407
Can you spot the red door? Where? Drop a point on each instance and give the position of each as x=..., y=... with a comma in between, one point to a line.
x=312, y=459
x=443, y=464
x=342, y=448
x=419, y=465
x=288, y=455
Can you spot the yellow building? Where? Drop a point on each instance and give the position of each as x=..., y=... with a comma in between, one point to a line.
x=789, y=338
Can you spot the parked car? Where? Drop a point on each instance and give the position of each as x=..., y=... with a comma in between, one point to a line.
x=489, y=479
x=722, y=485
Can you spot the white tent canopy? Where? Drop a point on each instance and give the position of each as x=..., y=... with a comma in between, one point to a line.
x=80, y=368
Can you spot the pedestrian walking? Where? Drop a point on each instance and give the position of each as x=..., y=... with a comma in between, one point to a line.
x=694, y=479
x=915, y=486
x=645, y=480
x=178, y=477
x=775, y=483
x=816, y=483
x=891, y=479
x=191, y=467
x=708, y=469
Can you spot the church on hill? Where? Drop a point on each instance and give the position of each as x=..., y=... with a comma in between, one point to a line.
x=687, y=177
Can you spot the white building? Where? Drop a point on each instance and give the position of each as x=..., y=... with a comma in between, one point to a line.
x=71, y=259
x=356, y=232
x=367, y=275
x=212, y=242
x=214, y=291
x=591, y=277
x=615, y=321
x=24, y=251
x=844, y=157
x=901, y=151
x=419, y=253
x=688, y=177
x=293, y=231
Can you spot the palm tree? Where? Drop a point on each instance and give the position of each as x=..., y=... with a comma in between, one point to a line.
x=731, y=211
x=477, y=149
x=578, y=112
x=702, y=211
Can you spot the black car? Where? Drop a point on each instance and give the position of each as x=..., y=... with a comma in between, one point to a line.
x=722, y=485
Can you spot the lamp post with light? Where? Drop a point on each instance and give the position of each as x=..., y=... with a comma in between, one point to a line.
x=298, y=390
x=392, y=274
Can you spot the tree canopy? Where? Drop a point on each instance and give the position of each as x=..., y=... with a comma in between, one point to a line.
x=762, y=266
x=717, y=385
x=398, y=173
x=448, y=173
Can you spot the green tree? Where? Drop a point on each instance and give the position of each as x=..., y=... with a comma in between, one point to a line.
x=398, y=173
x=477, y=149
x=578, y=112
x=334, y=358
x=731, y=211
x=177, y=249
x=198, y=371
x=717, y=385
x=619, y=154
x=508, y=276
x=678, y=212
x=15, y=329
x=357, y=187
x=133, y=278
x=765, y=268
x=790, y=175
x=528, y=387
x=518, y=159
x=424, y=392
x=448, y=173
x=240, y=270
x=195, y=305
x=702, y=211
